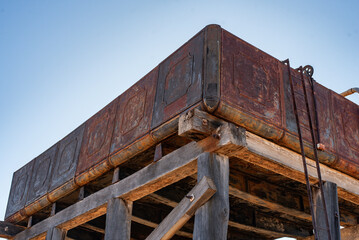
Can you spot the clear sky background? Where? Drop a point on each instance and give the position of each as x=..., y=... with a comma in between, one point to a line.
x=62, y=61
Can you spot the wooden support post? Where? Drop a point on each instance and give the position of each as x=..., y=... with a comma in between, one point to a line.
x=118, y=220
x=331, y=199
x=116, y=175
x=82, y=193
x=29, y=222
x=158, y=152
x=211, y=220
x=200, y=194
x=53, y=209
x=56, y=234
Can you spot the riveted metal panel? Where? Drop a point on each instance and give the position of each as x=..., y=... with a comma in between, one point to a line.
x=134, y=112
x=67, y=158
x=346, y=121
x=97, y=138
x=251, y=83
x=41, y=174
x=19, y=189
x=179, y=83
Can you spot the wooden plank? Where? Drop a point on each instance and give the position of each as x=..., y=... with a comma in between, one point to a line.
x=331, y=199
x=118, y=220
x=56, y=234
x=268, y=155
x=288, y=163
x=211, y=220
x=154, y=225
x=9, y=230
x=265, y=232
x=93, y=228
x=170, y=169
x=197, y=124
x=269, y=205
x=242, y=227
x=200, y=194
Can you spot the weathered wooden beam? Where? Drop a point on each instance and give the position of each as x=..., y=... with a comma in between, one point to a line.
x=116, y=175
x=9, y=230
x=154, y=225
x=93, y=228
x=271, y=156
x=168, y=170
x=269, y=205
x=242, y=227
x=118, y=219
x=211, y=220
x=331, y=200
x=261, y=231
x=55, y=234
x=197, y=125
x=83, y=233
x=200, y=194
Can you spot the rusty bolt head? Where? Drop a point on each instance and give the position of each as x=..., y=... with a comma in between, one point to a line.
x=190, y=197
x=215, y=135
x=320, y=146
x=204, y=122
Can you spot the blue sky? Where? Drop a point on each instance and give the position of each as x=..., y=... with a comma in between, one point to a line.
x=62, y=61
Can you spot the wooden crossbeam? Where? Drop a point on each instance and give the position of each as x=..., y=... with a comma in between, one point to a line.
x=168, y=170
x=265, y=232
x=241, y=227
x=200, y=194
x=269, y=205
x=154, y=225
x=9, y=230
x=268, y=155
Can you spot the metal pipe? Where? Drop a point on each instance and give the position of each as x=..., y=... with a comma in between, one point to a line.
x=350, y=91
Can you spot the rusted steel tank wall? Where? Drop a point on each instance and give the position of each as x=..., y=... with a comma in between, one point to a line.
x=214, y=70
x=138, y=119
x=255, y=94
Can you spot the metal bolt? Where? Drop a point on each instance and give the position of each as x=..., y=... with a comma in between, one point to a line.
x=204, y=122
x=215, y=135
x=320, y=146
x=190, y=197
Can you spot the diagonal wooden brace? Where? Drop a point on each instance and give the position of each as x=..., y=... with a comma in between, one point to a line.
x=200, y=194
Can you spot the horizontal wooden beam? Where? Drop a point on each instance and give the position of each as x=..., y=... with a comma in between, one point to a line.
x=269, y=205
x=241, y=227
x=200, y=194
x=261, y=231
x=9, y=230
x=268, y=155
x=288, y=163
x=154, y=225
x=93, y=228
x=168, y=170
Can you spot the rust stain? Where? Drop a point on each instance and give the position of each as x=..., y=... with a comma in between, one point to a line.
x=179, y=84
x=134, y=112
x=97, y=138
